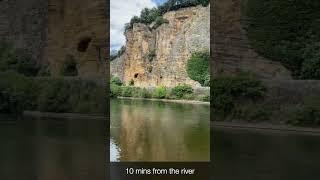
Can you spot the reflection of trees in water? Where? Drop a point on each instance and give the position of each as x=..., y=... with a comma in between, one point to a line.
x=159, y=131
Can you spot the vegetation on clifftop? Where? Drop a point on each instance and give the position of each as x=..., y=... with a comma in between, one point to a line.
x=287, y=31
x=148, y=16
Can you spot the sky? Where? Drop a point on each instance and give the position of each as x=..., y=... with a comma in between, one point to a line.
x=121, y=11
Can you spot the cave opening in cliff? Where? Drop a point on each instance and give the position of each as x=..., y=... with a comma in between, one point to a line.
x=84, y=44
x=136, y=75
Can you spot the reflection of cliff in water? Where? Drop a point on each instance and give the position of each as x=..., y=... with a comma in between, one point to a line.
x=52, y=149
x=157, y=131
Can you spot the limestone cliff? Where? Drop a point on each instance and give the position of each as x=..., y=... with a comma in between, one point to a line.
x=77, y=30
x=156, y=57
x=22, y=23
x=54, y=30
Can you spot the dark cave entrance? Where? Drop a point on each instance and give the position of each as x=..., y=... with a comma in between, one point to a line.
x=84, y=44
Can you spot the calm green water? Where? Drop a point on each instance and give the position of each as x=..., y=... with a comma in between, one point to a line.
x=256, y=155
x=46, y=149
x=158, y=131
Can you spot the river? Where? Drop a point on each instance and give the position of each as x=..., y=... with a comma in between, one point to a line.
x=265, y=155
x=49, y=149
x=143, y=130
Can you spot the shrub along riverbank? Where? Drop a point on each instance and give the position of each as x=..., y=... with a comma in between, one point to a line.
x=23, y=87
x=19, y=93
x=181, y=91
x=245, y=99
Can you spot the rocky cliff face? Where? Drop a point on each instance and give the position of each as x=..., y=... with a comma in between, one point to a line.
x=156, y=57
x=56, y=30
x=77, y=29
x=23, y=24
x=232, y=50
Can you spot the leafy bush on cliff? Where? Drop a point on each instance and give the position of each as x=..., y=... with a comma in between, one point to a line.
x=172, y=5
x=16, y=93
x=65, y=96
x=115, y=90
x=282, y=30
x=182, y=90
x=227, y=91
x=116, y=81
x=198, y=68
x=17, y=60
x=127, y=91
x=159, y=21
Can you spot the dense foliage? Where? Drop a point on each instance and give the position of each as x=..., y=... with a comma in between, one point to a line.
x=198, y=68
x=15, y=92
x=226, y=91
x=182, y=90
x=19, y=93
x=307, y=113
x=21, y=90
x=160, y=92
x=116, y=80
x=17, y=60
x=147, y=16
x=159, y=21
x=78, y=96
x=287, y=31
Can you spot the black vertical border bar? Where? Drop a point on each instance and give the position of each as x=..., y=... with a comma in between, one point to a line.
x=107, y=69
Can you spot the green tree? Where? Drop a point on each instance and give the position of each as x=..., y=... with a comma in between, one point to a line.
x=181, y=90
x=116, y=81
x=282, y=30
x=18, y=60
x=198, y=67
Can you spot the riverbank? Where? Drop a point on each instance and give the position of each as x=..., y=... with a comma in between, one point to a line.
x=38, y=114
x=265, y=127
x=168, y=100
x=48, y=94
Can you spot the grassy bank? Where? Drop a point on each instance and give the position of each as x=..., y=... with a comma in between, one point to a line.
x=245, y=99
x=180, y=92
x=19, y=93
x=27, y=85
